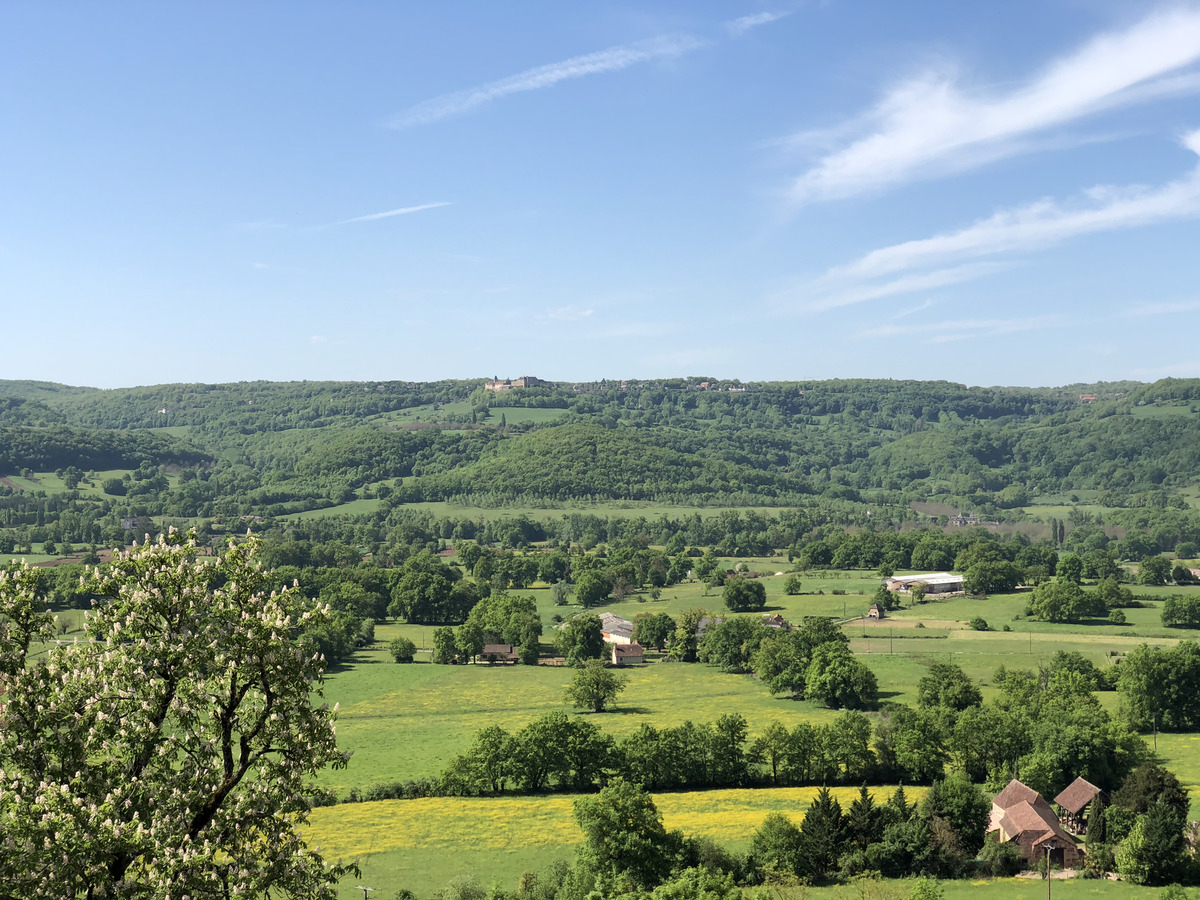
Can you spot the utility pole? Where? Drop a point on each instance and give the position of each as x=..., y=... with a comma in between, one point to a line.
x=1050, y=845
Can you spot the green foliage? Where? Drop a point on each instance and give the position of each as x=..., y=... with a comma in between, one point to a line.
x=963, y=807
x=744, y=594
x=402, y=649
x=835, y=678
x=1003, y=859
x=426, y=591
x=792, y=585
x=1149, y=784
x=1154, y=570
x=776, y=845
x=1064, y=601
x=443, y=646
x=1181, y=612
x=821, y=835
x=1153, y=851
x=1162, y=686
x=698, y=884
x=653, y=629
x=732, y=644
x=594, y=687
x=592, y=589
x=947, y=685
x=624, y=834
x=580, y=639
x=783, y=659
x=979, y=623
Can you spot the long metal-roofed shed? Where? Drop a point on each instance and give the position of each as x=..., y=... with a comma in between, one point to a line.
x=935, y=582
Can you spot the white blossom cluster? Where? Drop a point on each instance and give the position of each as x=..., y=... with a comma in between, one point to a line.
x=170, y=755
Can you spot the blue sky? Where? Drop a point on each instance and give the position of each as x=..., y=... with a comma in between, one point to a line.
x=988, y=193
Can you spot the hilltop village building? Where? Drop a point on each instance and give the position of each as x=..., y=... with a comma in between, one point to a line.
x=497, y=385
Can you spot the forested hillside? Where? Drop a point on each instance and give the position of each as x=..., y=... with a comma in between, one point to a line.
x=262, y=449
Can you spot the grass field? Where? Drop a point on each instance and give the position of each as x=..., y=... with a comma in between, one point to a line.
x=359, y=507
x=422, y=844
x=520, y=415
x=410, y=721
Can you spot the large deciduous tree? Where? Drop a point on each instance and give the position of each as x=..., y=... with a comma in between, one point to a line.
x=594, y=687
x=170, y=754
x=744, y=595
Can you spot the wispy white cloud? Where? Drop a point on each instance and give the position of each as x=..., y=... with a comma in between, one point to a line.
x=958, y=329
x=958, y=256
x=404, y=211
x=830, y=292
x=740, y=26
x=1160, y=309
x=611, y=60
x=566, y=314
x=905, y=313
x=930, y=125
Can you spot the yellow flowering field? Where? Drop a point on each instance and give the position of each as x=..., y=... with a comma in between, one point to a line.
x=504, y=824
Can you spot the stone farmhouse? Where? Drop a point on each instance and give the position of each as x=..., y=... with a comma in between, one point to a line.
x=1021, y=815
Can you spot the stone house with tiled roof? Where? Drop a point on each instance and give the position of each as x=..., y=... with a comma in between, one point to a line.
x=1021, y=815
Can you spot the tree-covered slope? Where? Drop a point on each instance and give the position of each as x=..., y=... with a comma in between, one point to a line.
x=602, y=463
x=57, y=447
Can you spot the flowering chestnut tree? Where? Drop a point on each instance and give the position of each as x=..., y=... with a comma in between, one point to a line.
x=170, y=754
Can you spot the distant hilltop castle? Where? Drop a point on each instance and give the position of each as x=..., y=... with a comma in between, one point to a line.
x=496, y=385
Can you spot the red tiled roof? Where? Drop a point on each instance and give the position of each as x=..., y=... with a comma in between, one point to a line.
x=1015, y=792
x=1077, y=795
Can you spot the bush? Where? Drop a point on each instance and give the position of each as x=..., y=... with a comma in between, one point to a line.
x=979, y=623
x=1116, y=617
x=1000, y=859
x=791, y=585
x=402, y=649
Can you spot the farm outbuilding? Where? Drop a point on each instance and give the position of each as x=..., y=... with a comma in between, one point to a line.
x=1074, y=800
x=494, y=653
x=935, y=583
x=627, y=655
x=615, y=629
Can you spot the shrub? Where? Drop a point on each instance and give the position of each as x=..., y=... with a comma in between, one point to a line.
x=979, y=623
x=1000, y=859
x=402, y=649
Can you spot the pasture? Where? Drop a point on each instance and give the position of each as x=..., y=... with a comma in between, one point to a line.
x=422, y=844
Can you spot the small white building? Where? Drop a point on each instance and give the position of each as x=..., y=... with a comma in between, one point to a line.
x=627, y=655
x=935, y=583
